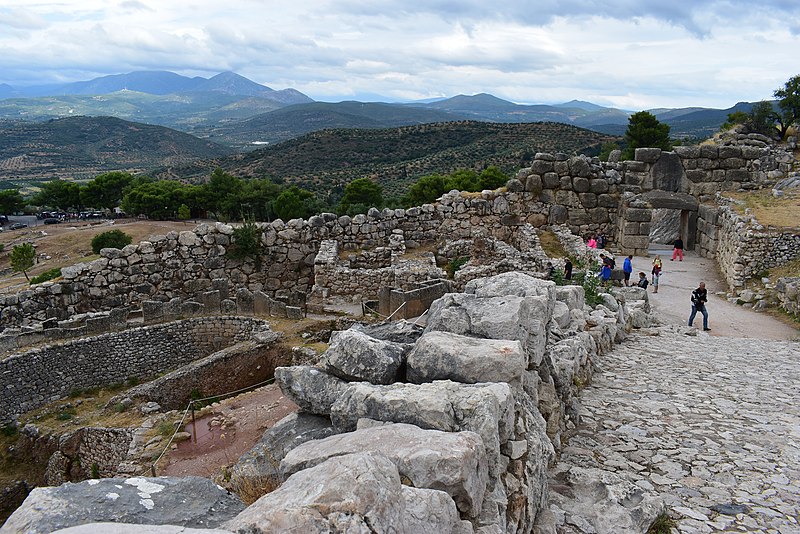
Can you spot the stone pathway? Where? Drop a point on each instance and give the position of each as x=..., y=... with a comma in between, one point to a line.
x=712, y=424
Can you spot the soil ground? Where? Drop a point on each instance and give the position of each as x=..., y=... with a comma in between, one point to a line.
x=233, y=428
x=672, y=302
x=68, y=243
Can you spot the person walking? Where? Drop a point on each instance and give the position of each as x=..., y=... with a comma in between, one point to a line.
x=627, y=269
x=567, y=269
x=656, y=272
x=592, y=242
x=699, y=299
x=677, y=249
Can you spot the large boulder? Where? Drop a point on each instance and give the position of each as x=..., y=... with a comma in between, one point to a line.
x=395, y=331
x=260, y=466
x=507, y=317
x=602, y=501
x=454, y=462
x=117, y=528
x=513, y=283
x=448, y=356
x=353, y=493
x=355, y=356
x=487, y=409
x=187, y=502
x=311, y=388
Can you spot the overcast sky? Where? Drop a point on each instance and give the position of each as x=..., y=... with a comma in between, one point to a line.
x=631, y=54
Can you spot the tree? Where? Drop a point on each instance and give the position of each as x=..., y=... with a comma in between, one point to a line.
x=491, y=178
x=295, y=202
x=644, y=130
x=59, y=194
x=360, y=195
x=11, y=201
x=22, y=257
x=106, y=190
x=789, y=105
x=223, y=195
x=425, y=190
x=110, y=239
x=159, y=200
x=184, y=212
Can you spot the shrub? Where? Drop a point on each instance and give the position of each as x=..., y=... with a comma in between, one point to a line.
x=110, y=239
x=22, y=257
x=95, y=470
x=47, y=275
x=454, y=265
x=246, y=243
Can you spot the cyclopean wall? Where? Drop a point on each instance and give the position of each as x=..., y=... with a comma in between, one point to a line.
x=578, y=191
x=35, y=377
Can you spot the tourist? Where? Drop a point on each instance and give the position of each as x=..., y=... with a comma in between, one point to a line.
x=601, y=240
x=550, y=270
x=627, y=269
x=699, y=299
x=656, y=272
x=605, y=273
x=592, y=242
x=677, y=249
x=567, y=269
x=642, y=281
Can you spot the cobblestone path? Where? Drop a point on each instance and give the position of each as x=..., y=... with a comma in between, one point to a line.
x=710, y=423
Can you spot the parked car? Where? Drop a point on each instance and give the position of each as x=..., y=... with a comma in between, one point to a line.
x=3, y=219
x=17, y=226
x=52, y=220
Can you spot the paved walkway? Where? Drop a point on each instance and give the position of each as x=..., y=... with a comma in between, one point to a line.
x=710, y=422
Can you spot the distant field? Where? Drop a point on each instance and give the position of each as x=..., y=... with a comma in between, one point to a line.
x=68, y=244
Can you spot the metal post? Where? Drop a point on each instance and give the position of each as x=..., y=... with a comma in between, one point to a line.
x=194, y=424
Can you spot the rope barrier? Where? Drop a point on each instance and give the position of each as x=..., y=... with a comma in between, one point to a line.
x=190, y=406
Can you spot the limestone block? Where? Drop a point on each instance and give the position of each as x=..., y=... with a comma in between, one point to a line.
x=506, y=317
x=353, y=493
x=184, y=501
x=355, y=356
x=454, y=462
x=448, y=356
x=487, y=409
x=572, y=296
x=261, y=464
x=310, y=388
x=638, y=214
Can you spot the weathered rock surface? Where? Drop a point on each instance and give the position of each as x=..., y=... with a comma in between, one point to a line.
x=353, y=493
x=260, y=466
x=454, y=462
x=395, y=331
x=119, y=528
x=355, y=356
x=311, y=388
x=188, y=502
x=448, y=356
x=507, y=317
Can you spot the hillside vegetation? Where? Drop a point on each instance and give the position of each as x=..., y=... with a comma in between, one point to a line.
x=396, y=157
x=83, y=147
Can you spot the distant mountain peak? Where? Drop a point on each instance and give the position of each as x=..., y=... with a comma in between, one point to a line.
x=580, y=104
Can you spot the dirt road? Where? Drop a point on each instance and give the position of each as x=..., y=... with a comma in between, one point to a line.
x=672, y=302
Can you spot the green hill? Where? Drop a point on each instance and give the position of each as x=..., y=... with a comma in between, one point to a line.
x=83, y=147
x=326, y=160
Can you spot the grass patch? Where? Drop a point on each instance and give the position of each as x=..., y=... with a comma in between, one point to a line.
x=551, y=245
x=780, y=212
x=454, y=265
x=662, y=525
x=787, y=270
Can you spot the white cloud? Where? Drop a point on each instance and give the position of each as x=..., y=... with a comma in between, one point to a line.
x=626, y=53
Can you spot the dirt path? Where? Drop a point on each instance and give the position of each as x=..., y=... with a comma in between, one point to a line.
x=672, y=304
x=231, y=430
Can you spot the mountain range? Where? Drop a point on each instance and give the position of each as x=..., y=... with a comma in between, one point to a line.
x=232, y=110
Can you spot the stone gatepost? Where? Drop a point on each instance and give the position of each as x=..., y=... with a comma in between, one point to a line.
x=634, y=218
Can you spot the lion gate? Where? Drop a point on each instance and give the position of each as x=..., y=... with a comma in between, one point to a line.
x=636, y=213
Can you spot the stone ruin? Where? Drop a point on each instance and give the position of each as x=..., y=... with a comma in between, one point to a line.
x=447, y=428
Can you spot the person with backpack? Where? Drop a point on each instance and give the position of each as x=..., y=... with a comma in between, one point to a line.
x=656, y=273
x=627, y=269
x=699, y=299
x=677, y=249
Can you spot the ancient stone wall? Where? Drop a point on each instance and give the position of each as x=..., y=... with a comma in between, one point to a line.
x=788, y=293
x=743, y=247
x=35, y=377
x=578, y=191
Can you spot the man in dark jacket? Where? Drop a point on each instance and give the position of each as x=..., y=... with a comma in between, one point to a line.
x=699, y=299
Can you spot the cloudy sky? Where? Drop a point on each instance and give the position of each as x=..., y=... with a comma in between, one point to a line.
x=631, y=54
